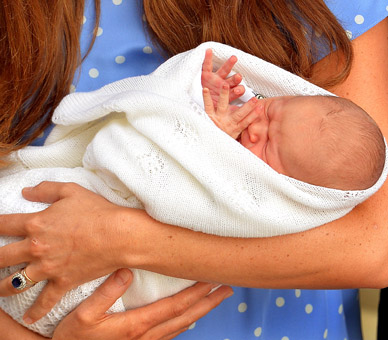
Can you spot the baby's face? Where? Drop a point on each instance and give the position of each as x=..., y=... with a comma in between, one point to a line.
x=284, y=133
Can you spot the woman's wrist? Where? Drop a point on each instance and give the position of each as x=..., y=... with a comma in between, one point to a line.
x=138, y=239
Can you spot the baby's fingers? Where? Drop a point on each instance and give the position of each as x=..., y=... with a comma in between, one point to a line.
x=207, y=65
x=227, y=67
x=243, y=112
x=244, y=116
x=208, y=102
x=223, y=100
x=236, y=92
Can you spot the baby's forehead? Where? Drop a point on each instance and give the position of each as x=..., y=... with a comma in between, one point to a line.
x=311, y=108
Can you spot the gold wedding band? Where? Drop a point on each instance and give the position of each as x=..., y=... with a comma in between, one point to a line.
x=30, y=281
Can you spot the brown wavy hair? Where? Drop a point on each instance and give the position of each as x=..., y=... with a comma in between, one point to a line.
x=40, y=52
x=287, y=33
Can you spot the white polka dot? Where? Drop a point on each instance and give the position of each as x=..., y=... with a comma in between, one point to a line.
x=257, y=332
x=144, y=18
x=147, y=49
x=99, y=31
x=285, y=338
x=349, y=34
x=298, y=293
x=242, y=307
x=386, y=8
x=93, y=73
x=359, y=19
x=280, y=302
x=41, y=135
x=120, y=59
x=192, y=326
x=117, y=2
x=72, y=88
x=325, y=333
x=340, y=309
x=308, y=309
x=84, y=19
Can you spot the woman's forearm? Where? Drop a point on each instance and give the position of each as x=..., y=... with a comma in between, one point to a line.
x=350, y=252
x=11, y=330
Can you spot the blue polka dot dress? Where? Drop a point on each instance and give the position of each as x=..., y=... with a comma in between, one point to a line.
x=123, y=50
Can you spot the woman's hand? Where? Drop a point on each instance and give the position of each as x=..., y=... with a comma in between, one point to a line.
x=75, y=240
x=164, y=319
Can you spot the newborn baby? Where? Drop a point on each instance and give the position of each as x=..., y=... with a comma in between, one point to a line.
x=322, y=140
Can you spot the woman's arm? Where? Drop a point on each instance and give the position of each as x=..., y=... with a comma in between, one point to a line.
x=350, y=252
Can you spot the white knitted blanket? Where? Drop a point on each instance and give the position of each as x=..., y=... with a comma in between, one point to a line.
x=144, y=142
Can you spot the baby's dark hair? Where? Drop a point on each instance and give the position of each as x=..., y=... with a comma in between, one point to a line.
x=353, y=147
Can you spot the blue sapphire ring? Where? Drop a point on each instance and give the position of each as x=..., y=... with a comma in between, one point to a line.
x=21, y=280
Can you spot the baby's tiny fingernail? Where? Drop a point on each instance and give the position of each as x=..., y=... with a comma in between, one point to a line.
x=27, y=188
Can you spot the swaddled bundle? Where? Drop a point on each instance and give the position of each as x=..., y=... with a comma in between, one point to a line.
x=144, y=142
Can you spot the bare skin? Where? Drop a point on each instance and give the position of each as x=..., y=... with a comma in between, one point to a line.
x=350, y=252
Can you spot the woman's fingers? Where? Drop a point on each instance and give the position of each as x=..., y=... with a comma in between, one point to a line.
x=106, y=295
x=160, y=320
x=193, y=309
x=47, y=299
x=50, y=192
x=14, y=253
x=14, y=224
x=179, y=311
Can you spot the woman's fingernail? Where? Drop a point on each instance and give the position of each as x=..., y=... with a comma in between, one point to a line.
x=28, y=320
x=122, y=276
x=229, y=294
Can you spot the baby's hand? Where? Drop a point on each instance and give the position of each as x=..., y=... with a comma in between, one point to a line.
x=214, y=80
x=231, y=119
